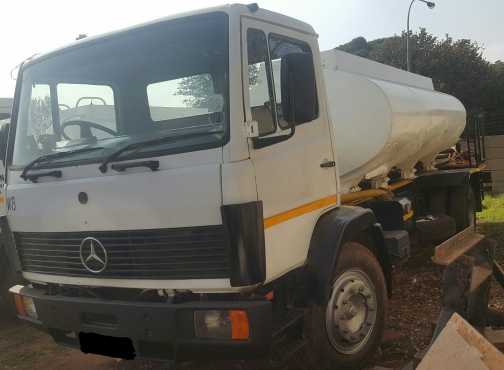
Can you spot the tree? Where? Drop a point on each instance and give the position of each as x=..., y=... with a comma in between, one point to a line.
x=199, y=90
x=457, y=67
x=358, y=46
x=40, y=115
x=498, y=66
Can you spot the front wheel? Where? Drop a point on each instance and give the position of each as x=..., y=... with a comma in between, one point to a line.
x=347, y=329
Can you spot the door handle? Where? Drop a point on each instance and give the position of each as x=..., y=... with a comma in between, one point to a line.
x=327, y=164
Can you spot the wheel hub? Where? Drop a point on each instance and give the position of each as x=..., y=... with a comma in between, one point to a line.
x=351, y=312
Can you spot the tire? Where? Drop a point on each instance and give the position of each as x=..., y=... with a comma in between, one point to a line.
x=462, y=208
x=435, y=230
x=347, y=329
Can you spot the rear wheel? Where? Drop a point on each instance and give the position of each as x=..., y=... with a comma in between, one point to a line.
x=462, y=207
x=347, y=329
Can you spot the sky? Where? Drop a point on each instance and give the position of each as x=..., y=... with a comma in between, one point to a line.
x=33, y=26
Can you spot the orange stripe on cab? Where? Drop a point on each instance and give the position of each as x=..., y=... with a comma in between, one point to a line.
x=299, y=211
x=350, y=198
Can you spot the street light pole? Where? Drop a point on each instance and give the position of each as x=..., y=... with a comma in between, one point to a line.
x=430, y=5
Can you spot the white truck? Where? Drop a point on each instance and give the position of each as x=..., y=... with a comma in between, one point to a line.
x=211, y=184
x=6, y=273
x=5, y=108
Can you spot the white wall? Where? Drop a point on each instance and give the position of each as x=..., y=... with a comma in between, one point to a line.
x=494, y=147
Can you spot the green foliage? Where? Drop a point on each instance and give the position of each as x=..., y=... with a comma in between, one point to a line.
x=495, y=94
x=40, y=115
x=199, y=90
x=498, y=67
x=493, y=209
x=253, y=71
x=457, y=67
x=196, y=90
x=358, y=46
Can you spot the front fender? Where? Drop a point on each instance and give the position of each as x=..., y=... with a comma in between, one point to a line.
x=332, y=231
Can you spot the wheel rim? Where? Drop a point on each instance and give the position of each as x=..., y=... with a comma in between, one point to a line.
x=351, y=312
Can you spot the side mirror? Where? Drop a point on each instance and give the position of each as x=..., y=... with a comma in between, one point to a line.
x=4, y=134
x=299, y=89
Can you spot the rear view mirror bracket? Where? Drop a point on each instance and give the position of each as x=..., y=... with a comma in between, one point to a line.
x=262, y=142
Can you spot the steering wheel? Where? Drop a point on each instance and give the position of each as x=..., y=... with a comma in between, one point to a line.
x=85, y=128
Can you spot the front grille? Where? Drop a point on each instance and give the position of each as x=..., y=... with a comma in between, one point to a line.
x=179, y=253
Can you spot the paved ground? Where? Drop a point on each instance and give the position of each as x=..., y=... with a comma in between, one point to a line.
x=413, y=312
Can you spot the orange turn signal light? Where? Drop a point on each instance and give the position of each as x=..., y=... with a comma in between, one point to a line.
x=240, y=329
x=20, y=306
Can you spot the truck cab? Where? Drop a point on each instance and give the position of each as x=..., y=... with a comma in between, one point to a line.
x=6, y=273
x=174, y=192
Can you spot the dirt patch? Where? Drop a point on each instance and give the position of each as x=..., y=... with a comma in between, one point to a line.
x=413, y=311
x=23, y=347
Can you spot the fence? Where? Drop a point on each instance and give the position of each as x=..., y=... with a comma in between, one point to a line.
x=493, y=133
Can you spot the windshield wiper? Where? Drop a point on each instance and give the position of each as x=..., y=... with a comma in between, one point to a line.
x=50, y=157
x=142, y=144
x=33, y=177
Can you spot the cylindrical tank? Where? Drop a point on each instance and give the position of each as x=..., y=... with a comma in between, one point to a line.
x=381, y=123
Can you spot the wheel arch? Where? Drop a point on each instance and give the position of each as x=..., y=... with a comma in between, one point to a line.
x=332, y=230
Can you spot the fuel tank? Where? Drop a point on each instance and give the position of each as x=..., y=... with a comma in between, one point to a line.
x=384, y=118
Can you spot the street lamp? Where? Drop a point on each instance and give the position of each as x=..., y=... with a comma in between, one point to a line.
x=430, y=5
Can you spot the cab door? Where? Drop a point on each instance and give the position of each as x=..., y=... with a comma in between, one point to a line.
x=295, y=177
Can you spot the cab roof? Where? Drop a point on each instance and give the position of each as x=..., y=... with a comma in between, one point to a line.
x=252, y=11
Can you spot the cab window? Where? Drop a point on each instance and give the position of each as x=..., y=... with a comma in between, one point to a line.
x=264, y=75
x=261, y=91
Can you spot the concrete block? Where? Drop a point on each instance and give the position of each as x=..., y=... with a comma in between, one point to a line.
x=461, y=347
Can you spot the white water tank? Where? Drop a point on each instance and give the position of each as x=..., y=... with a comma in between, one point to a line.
x=384, y=117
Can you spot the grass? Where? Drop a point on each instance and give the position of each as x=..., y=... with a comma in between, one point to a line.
x=493, y=209
x=491, y=222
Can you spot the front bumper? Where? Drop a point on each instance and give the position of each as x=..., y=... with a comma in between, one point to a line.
x=154, y=330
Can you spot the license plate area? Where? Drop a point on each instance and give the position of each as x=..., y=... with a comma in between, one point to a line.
x=107, y=346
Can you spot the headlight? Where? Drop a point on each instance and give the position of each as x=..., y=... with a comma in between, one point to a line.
x=222, y=324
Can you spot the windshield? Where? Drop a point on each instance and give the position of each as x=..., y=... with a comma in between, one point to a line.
x=159, y=80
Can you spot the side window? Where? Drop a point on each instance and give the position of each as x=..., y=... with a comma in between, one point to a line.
x=40, y=112
x=184, y=97
x=260, y=84
x=264, y=74
x=279, y=47
x=38, y=129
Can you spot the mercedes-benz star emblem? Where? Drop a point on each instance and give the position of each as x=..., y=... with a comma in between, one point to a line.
x=93, y=255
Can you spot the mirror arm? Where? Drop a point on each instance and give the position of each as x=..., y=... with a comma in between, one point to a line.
x=263, y=142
